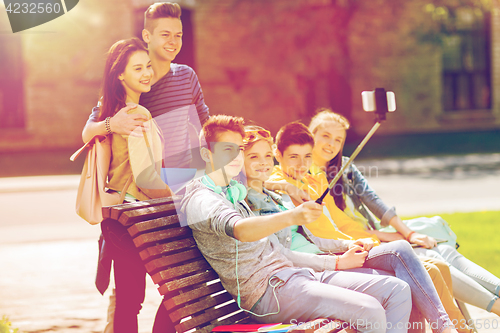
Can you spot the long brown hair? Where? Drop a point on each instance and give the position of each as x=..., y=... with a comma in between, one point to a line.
x=112, y=92
x=335, y=164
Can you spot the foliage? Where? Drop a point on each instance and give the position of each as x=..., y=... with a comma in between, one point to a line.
x=5, y=326
x=446, y=17
x=477, y=234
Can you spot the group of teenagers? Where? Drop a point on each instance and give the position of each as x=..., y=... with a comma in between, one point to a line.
x=282, y=256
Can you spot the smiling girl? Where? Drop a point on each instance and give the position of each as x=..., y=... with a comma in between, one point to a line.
x=136, y=159
x=471, y=283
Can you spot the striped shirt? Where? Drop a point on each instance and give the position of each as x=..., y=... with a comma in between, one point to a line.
x=174, y=101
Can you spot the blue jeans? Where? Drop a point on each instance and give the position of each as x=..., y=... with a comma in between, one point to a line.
x=371, y=303
x=398, y=257
x=471, y=283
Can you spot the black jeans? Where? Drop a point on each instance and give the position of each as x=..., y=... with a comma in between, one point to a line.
x=130, y=281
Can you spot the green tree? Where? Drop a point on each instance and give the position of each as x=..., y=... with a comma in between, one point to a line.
x=446, y=17
x=5, y=326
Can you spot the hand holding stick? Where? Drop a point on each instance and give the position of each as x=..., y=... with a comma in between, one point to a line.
x=353, y=156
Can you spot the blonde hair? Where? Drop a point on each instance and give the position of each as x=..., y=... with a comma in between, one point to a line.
x=324, y=115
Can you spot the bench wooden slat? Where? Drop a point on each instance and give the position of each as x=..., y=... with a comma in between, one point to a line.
x=202, y=304
x=192, y=288
x=163, y=249
x=162, y=235
x=114, y=212
x=207, y=317
x=201, y=291
x=168, y=287
x=174, y=272
x=163, y=263
x=130, y=217
x=150, y=225
x=240, y=317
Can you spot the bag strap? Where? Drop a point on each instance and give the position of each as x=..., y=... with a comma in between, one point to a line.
x=125, y=188
x=85, y=146
x=150, y=152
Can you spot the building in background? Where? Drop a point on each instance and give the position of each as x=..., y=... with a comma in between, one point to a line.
x=271, y=61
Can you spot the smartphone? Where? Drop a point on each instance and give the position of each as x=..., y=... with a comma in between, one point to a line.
x=368, y=98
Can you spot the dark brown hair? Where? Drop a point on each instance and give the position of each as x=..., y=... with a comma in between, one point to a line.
x=112, y=91
x=293, y=133
x=160, y=10
x=218, y=124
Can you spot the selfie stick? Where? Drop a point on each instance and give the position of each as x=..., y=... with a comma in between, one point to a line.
x=381, y=109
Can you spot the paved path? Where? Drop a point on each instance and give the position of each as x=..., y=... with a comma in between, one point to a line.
x=48, y=254
x=48, y=261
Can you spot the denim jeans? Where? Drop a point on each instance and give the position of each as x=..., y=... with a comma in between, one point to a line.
x=471, y=283
x=371, y=303
x=398, y=257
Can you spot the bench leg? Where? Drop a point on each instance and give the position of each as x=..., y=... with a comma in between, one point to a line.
x=465, y=313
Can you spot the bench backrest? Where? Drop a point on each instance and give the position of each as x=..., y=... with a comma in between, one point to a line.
x=194, y=297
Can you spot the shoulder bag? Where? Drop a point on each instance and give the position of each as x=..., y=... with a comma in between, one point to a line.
x=92, y=194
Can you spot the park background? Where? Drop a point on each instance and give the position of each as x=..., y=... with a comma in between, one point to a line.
x=272, y=61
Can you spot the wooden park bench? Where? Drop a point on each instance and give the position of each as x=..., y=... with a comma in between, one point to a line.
x=194, y=296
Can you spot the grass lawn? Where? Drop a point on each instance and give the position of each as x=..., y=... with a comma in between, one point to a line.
x=478, y=236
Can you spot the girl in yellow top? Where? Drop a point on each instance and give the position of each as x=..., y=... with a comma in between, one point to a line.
x=354, y=196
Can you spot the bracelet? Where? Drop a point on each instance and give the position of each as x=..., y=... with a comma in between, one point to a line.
x=108, y=125
x=337, y=263
x=408, y=236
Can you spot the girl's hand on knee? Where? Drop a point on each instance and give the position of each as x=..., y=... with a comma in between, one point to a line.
x=422, y=240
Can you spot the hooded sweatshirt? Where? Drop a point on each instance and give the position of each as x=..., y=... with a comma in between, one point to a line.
x=212, y=218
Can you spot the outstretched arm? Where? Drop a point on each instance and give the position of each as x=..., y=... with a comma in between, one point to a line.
x=386, y=236
x=412, y=236
x=252, y=229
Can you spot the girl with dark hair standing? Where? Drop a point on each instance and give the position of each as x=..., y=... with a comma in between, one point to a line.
x=136, y=158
